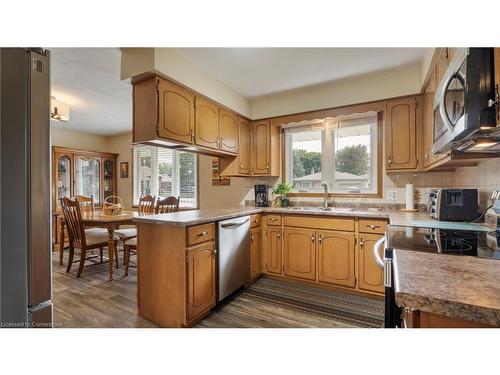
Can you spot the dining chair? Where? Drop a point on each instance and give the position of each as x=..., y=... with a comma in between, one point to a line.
x=169, y=204
x=86, y=203
x=146, y=207
x=79, y=237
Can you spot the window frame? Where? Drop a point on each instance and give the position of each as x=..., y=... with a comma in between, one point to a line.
x=132, y=181
x=380, y=151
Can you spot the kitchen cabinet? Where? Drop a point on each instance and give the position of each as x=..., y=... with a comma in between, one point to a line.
x=428, y=125
x=200, y=279
x=299, y=253
x=206, y=124
x=175, y=113
x=442, y=64
x=265, y=149
x=336, y=258
x=370, y=275
x=496, y=56
x=244, y=145
x=228, y=131
x=255, y=252
x=401, y=134
x=273, y=250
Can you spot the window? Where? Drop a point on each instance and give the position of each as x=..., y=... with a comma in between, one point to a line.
x=164, y=173
x=340, y=151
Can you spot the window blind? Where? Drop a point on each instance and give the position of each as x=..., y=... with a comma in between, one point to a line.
x=163, y=173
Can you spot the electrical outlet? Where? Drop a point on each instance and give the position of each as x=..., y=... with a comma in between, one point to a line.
x=391, y=195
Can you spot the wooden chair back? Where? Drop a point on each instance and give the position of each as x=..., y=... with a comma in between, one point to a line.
x=169, y=204
x=86, y=203
x=73, y=220
x=146, y=205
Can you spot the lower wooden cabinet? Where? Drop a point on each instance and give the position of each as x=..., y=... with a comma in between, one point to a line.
x=273, y=250
x=336, y=258
x=255, y=252
x=299, y=253
x=371, y=276
x=200, y=279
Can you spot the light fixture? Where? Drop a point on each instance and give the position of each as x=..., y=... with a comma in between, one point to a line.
x=58, y=110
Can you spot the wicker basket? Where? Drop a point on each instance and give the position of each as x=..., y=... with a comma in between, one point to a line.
x=113, y=208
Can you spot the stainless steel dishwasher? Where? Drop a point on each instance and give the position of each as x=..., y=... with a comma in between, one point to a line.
x=234, y=255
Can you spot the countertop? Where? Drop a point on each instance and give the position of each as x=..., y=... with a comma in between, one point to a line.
x=463, y=287
x=195, y=217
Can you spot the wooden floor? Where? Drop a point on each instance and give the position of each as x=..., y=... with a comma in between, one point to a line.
x=93, y=301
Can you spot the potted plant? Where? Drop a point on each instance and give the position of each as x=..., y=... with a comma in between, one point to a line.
x=281, y=191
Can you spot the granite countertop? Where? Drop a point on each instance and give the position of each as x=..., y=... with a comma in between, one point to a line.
x=463, y=287
x=194, y=217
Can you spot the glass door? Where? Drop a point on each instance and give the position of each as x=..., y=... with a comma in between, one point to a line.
x=108, y=180
x=63, y=183
x=88, y=177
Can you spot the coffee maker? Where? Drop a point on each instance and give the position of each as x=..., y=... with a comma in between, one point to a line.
x=261, y=197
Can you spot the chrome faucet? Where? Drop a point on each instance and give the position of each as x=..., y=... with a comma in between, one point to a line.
x=325, y=187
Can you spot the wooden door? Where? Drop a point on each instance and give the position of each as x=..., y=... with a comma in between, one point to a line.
x=299, y=253
x=228, y=131
x=401, y=134
x=336, y=258
x=273, y=250
x=206, y=124
x=200, y=279
x=255, y=252
x=261, y=148
x=428, y=125
x=244, y=146
x=176, y=113
x=371, y=276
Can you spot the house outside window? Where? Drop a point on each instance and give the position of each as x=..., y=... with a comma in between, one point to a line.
x=341, y=151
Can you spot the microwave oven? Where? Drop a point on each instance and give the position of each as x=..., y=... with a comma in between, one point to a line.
x=465, y=103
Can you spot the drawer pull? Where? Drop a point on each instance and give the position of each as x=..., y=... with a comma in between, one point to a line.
x=373, y=226
x=202, y=234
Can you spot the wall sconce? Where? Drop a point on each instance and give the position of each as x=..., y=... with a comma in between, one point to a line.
x=58, y=110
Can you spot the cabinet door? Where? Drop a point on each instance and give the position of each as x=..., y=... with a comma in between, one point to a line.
x=108, y=178
x=88, y=178
x=401, y=134
x=273, y=250
x=200, y=279
x=442, y=65
x=228, y=130
x=63, y=175
x=299, y=253
x=206, y=124
x=371, y=276
x=336, y=258
x=428, y=127
x=496, y=64
x=255, y=252
x=261, y=150
x=176, y=113
x=244, y=146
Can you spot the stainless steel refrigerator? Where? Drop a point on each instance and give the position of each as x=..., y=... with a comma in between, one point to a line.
x=25, y=254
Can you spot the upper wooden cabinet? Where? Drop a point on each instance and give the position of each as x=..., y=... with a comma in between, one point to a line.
x=428, y=121
x=244, y=145
x=442, y=64
x=206, y=124
x=299, y=253
x=401, y=134
x=497, y=74
x=336, y=258
x=228, y=131
x=265, y=149
x=176, y=113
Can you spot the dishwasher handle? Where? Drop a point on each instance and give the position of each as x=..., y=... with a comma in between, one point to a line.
x=234, y=224
x=376, y=252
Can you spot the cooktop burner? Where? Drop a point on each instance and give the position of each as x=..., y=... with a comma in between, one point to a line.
x=445, y=241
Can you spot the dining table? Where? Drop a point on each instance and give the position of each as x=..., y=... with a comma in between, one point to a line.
x=98, y=218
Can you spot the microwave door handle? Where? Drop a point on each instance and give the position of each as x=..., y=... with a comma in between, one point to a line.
x=376, y=252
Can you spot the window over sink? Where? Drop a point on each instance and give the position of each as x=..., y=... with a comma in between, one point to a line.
x=341, y=151
x=163, y=173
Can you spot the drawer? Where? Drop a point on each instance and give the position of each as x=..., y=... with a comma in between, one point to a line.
x=320, y=222
x=200, y=233
x=273, y=219
x=372, y=226
x=255, y=220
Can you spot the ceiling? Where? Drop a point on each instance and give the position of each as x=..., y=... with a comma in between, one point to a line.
x=88, y=80
x=255, y=72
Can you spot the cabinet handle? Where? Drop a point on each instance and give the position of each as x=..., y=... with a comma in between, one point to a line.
x=312, y=237
x=427, y=156
x=279, y=235
x=373, y=227
x=361, y=243
x=201, y=234
x=251, y=237
x=319, y=238
x=389, y=160
x=267, y=166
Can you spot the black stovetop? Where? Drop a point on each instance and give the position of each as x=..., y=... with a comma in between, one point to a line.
x=445, y=241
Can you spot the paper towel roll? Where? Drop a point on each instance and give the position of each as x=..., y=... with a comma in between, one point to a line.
x=409, y=197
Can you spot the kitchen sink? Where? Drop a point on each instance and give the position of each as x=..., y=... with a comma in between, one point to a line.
x=333, y=209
